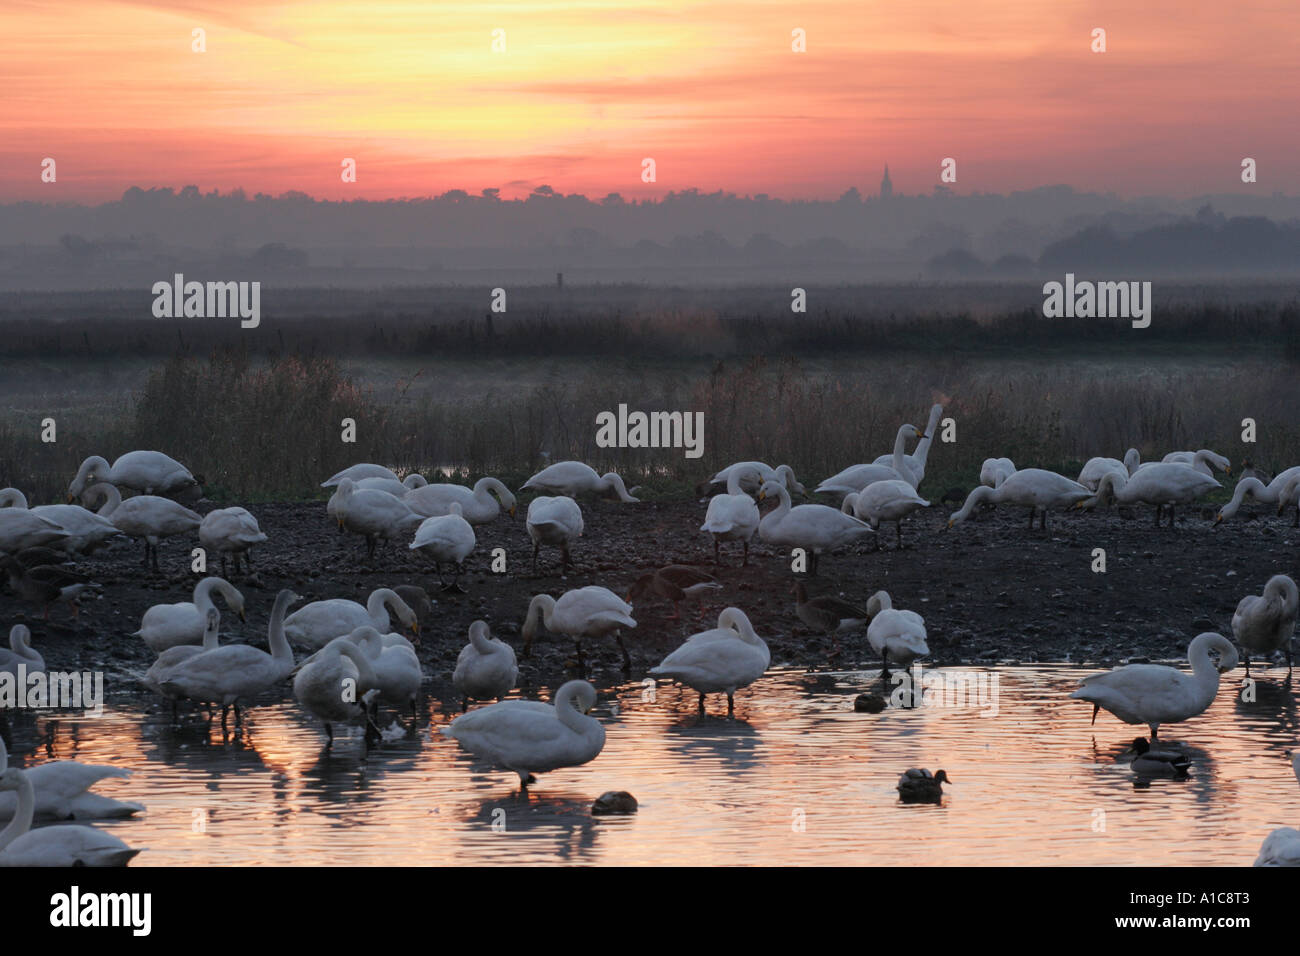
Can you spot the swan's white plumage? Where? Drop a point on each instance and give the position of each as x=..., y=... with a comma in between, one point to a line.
x=316, y=624
x=719, y=660
x=63, y=844
x=857, y=477
x=478, y=505
x=172, y=625
x=148, y=472
x=816, y=528
x=1264, y=623
x=358, y=472
x=572, y=478
x=486, y=666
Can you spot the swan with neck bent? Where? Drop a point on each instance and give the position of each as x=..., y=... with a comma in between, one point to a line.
x=64, y=844
x=1274, y=493
x=375, y=515
x=857, y=477
x=20, y=528
x=572, y=478
x=994, y=471
x=231, y=531
x=148, y=472
x=721, y=660
x=478, y=505
x=915, y=462
x=63, y=791
x=1154, y=694
x=583, y=612
x=1290, y=497
x=733, y=516
x=1095, y=468
x=398, y=489
x=1034, y=488
x=316, y=624
x=358, y=472
x=233, y=672
x=754, y=473
x=172, y=625
x=20, y=652
x=170, y=658
x=528, y=737
x=485, y=668
x=147, y=517
x=1264, y=623
x=446, y=539
x=334, y=686
x=1160, y=484
x=1205, y=461
x=891, y=500
x=894, y=634
x=86, y=531
x=815, y=528
x=554, y=521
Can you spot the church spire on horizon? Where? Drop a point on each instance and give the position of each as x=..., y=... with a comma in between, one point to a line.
x=886, y=186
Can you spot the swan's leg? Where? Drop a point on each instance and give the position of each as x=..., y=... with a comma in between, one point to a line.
x=1154, y=728
x=565, y=560
x=1095, y=708
x=731, y=705
x=701, y=704
x=627, y=659
x=329, y=735
x=745, y=563
x=1246, y=657
x=898, y=527
x=536, y=547
x=223, y=564
x=225, y=709
x=1157, y=516
x=884, y=664
x=1031, y=519
x=1171, y=516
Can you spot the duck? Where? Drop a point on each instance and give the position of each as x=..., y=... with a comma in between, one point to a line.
x=889, y=500
x=720, y=660
x=994, y=471
x=1154, y=694
x=148, y=472
x=572, y=478
x=1275, y=492
x=316, y=624
x=86, y=532
x=827, y=614
x=918, y=786
x=1163, y=484
x=21, y=529
x=478, y=505
x=446, y=539
x=231, y=531
x=376, y=515
x=857, y=477
x=752, y=474
x=675, y=583
x=528, y=737
x=20, y=654
x=485, y=668
x=733, y=515
x=334, y=685
x=554, y=521
x=171, y=657
x=1264, y=623
x=588, y=612
x=915, y=462
x=62, y=790
x=147, y=517
x=815, y=528
x=234, y=672
x=398, y=489
x=894, y=634
x=1093, y=470
x=358, y=472
x=46, y=583
x=1280, y=848
x=165, y=626
x=1205, y=461
x=1034, y=488
x=63, y=844
x=1148, y=762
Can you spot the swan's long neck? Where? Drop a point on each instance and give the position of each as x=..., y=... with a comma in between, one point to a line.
x=922, y=451
x=112, y=498
x=1132, y=458
x=1203, y=669
x=781, y=510
x=478, y=636
x=1247, y=486
x=13, y=498
x=567, y=713
x=878, y=602
x=20, y=642
x=613, y=480
x=484, y=488
x=542, y=606
x=22, y=821
x=365, y=672
x=210, y=632
x=850, y=504
x=900, y=446
x=1111, y=483
x=379, y=604
x=280, y=648
x=735, y=619
x=1280, y=585
x=977, y=497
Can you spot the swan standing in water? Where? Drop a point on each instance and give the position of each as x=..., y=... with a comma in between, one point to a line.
x=485, y=668
x=1280, y=848
x=236, y=671
x=446, y=539
x=572, y=478
x=1154, y=694
x=148, y=472
x=857, y=477
x=62, y=791
x=891, y=500
x=583, y=612
x=994, y=471
x=554, y=521
x=733, y=516
x=147, y=517
x=1266, y=623
x=1165, y=483
x=721, y=660
x=171, y=625
x=1272, y=493
x=1033, y=488
x=358, y=472
x=86, y=531
x=752, y=474
x=333, y=686
x=170, y=658
x=316, y=624
x=894, y=634
x=64, y=844
x=815, y=528
x=20, y=653
x=915, y=462
x=231, y=531
x=478, y=505
x=528, y=737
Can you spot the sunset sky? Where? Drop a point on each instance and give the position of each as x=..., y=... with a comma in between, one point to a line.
x=586, y=89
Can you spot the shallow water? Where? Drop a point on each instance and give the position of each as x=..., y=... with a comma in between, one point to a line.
x=796, y=777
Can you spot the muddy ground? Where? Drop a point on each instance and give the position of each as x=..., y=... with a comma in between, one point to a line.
x=989, y=590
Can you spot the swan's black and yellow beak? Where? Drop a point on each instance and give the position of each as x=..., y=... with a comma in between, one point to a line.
x=71, y=498
x=415, y=628
x=922, y=435
x=1227, y=469
x=1218, y=517
x=512, y=511
x=242, y=616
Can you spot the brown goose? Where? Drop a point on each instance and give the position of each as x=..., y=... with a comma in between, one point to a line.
x=828, y=614
x=675, y=583
x=47, y=583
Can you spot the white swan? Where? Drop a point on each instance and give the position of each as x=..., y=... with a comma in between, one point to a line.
x=554, y=521
x=357, y=472
x=478, y=505
x=1280, y=848
x=20, y=653
x=170, y=658
x=895, y=635
x=1032, y=488
x=529, y=737
x=398, y=489
x=334, y=685
x=230, y=531
x=720, y=660
x=754, y=473
x=485, y=668
x=86, y=531
x=1091, y=474
x=1265, y=623
x=171, y=625
x=1154, y=694
x=235, y=671
x=147, y=517
x=446, y=539
x=148, y=472
x=1289, y=497
x=62, y=791
x=994, y=471
x=733, y=516
x=376, y=515
x=1161, y=484
x=1275, y=492
x=398, y=674
x=316, y=624
x=64, y=844
x=857, y=477
x=815, y=528
x=891, y=500
x=915, y=462
x=572, y=478
x=590, y=612
x=1205, y=461
x=20, y=528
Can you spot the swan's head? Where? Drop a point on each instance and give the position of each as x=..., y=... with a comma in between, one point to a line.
x=581, y=693
x=773, y=488
x=1217, y=643
x=19, y=634
x=913, y=432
